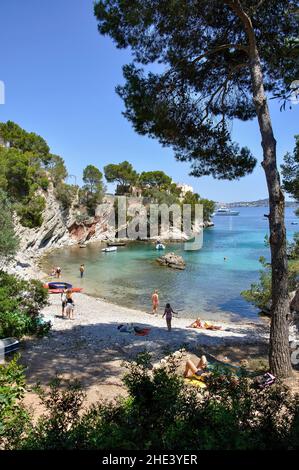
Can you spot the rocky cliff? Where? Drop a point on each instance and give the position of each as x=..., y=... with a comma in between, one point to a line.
x=61, y=227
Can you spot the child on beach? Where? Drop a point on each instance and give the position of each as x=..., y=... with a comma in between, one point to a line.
x=69, y=310
x=155, y=301
x=168, y=315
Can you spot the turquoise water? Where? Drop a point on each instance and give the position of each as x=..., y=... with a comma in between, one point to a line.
x=209, y=287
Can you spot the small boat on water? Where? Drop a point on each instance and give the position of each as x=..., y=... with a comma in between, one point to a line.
x=160, y=246
x=294, y=223
x=109, y=249
x=116, y=243
x=225, y=211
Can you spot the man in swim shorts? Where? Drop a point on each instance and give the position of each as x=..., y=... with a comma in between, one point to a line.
x=155, y=301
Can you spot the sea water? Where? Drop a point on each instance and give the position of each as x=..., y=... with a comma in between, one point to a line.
x=209, y=287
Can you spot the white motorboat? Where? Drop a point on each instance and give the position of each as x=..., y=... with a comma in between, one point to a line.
x=109, y=248
x=225, y=211
x=160, y=246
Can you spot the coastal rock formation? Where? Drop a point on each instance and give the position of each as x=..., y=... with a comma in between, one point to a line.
x=59, y=228
x=64, y=227
x=172, y=261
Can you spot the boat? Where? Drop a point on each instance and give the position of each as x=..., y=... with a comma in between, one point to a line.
x=108, y=249
x=116, y=243
x=60, y=290
x=294, y=223
x=160, y=246
x=8, y=346
x=59, y=287
x=225, y=211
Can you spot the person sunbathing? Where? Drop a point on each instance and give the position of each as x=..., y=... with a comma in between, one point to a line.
x=195, y=371
x=196, y=324
x=205, y=325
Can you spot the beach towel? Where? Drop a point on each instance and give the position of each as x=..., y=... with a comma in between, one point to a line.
x=141, y=331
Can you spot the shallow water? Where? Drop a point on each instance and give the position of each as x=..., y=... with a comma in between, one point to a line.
x=209, y=287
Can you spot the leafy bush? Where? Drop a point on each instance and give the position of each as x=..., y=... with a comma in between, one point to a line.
x=20, y=305
x=30, y=211
x=294, y=247
x=260, y=293
x=63, y=406
x=162, y=412
x=14, y=419
x=65, y=193
x=9, y=242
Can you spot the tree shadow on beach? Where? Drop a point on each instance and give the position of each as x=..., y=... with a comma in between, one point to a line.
x=94, y=353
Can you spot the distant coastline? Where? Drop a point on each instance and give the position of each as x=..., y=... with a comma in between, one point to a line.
x=258, y=203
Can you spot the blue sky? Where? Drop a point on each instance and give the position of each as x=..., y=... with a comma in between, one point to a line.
x=60, y=76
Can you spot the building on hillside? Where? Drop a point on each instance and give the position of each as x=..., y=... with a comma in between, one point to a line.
x=3, y=143
x=185, y=188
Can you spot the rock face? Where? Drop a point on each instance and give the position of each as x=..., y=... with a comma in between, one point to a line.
x=62, y=227
x=172, y=261
x=59, y=228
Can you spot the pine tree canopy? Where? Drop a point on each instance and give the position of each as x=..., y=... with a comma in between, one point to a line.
x=190, y=76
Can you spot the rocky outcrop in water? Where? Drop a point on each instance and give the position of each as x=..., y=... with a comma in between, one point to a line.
x=172, y=261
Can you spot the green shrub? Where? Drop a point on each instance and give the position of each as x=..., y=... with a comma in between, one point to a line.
x=9, y=242
x=62, y=405
x=30, y=211
x=14, y=419
x=260, y=293
x=43, y=182
x=20, y=305
x=65, y=193
x=162, y=412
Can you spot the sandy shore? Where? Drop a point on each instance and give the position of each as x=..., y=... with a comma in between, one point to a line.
x=98, y=320
x=91, y=349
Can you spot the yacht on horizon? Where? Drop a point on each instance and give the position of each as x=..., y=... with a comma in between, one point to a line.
x=225, y=211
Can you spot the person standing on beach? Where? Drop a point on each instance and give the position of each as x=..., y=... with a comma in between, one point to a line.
x=82, y=269
x=63, y=301
x=168, y=315
x=155, y=301
x=58, y=272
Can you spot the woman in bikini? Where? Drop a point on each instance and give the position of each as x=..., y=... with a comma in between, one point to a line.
x=192, y=370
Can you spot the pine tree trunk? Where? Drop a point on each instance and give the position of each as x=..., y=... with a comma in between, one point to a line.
x=279, y=355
